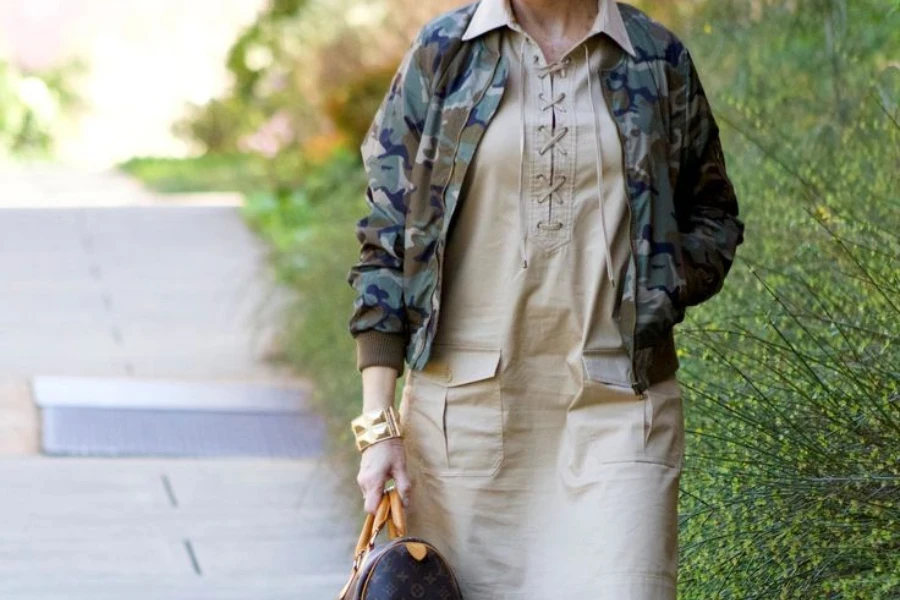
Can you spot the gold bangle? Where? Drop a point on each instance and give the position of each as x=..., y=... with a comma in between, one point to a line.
x=375, y=426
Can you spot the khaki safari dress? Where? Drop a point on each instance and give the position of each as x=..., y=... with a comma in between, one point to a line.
x=536, y=469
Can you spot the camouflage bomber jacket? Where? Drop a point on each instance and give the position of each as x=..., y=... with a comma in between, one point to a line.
x=684, y=214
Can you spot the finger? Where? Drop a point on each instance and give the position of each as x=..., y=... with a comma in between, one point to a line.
x=373, y=498
x=404, y=486
x=362, y=481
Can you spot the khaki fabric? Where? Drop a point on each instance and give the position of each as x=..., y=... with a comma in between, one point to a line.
x=536, y=469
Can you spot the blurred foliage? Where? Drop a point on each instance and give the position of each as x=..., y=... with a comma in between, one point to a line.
x=311, y=236
x=307, y=76
x=791, y=376
x=213, y=125
x=33, y=106
x=208, y=173
x=351, y=106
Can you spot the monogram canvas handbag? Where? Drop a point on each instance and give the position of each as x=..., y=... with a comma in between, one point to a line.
x=404, y=567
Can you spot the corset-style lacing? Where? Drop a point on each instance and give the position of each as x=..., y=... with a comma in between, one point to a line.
x=551, y=142
x=551, y=188
x=552, y=104
x=552, y=68
x=553, y=183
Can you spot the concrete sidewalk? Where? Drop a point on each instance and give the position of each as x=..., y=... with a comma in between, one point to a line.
x=145, y=292
x=148, y=291
x=174, y=530
x=55, y=186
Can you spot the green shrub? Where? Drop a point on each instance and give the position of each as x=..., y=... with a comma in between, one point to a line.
x=792, y=480
x=351, y=106
x=217, y=126
x=312, y=234
x=33, y=106
x=207, y=173
x=301, y=76
x=792, y=488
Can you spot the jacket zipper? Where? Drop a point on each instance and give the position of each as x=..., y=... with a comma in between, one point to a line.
x=435, y=308
x=622, y=145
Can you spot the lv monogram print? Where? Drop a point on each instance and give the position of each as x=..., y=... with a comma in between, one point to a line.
x=396, y=575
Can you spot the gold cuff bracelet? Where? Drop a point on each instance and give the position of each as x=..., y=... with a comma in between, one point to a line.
x=375, y=426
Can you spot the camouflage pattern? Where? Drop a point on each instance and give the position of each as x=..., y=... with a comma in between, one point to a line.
x=684, y=214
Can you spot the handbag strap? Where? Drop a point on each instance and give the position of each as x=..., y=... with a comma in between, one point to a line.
x=397, y=524
x=390, y=512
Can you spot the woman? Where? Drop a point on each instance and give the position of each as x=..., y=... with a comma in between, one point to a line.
x=548, y=194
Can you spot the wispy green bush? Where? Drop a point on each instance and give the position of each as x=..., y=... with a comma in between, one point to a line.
x=792, y=375
x=793, y=482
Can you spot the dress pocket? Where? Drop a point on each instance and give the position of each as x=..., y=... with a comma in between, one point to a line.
x=455, y=413
x=608, y=424
x=664, y=423
x=611, y=368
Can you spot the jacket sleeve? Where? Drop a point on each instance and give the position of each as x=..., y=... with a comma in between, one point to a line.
x=706, y=203
x=378, y=322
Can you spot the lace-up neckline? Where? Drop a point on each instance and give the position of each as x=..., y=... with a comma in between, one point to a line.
x=552, y=181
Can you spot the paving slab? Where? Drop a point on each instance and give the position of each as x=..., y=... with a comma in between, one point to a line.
x=306, y=587
x=94, y=528
x=133, y=394
x=155, y=291
x=57, y=186
x=19, y=422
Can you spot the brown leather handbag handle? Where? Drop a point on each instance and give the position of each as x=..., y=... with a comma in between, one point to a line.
x=390, y=512
x=397, y=524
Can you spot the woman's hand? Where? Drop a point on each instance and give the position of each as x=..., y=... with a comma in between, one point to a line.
x=379, y=463
x=386, y=459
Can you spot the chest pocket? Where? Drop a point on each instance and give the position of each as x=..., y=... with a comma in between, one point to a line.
x=455, y=414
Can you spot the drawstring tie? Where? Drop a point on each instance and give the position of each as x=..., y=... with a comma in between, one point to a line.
x=599, y=166
x=523, y=217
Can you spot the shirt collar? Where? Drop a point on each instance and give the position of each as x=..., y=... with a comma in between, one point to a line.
x=494, y=14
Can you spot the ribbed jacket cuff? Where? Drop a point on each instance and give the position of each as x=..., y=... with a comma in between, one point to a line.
x=376, y=348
